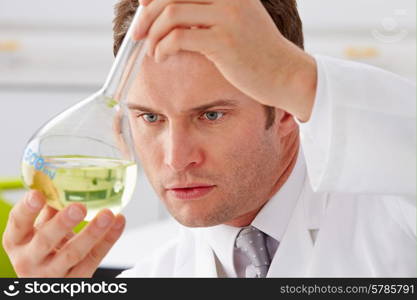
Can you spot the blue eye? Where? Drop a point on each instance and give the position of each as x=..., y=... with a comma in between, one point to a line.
x=213, y=115
x=150, y=118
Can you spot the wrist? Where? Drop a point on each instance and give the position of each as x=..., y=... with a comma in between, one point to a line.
x=305, y=86
x=296, y=87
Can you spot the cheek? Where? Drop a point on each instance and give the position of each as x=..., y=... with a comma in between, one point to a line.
x=252, y=151
x=245, y=138
x=233, y=152
x=228, y=149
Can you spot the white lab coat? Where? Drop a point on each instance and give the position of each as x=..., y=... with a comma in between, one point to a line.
x=356, y=214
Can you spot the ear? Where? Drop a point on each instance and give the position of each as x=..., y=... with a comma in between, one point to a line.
x=285, y=122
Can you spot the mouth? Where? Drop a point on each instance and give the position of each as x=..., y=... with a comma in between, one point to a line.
x=190, y=191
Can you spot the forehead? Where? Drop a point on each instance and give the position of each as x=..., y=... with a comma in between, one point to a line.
x=181, y=82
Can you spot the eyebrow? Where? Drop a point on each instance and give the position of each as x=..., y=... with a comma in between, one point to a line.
x=230, y=103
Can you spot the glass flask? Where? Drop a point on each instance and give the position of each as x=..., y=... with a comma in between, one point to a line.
x=85, y=154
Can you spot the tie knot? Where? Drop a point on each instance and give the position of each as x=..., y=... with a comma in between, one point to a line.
x=252, y=242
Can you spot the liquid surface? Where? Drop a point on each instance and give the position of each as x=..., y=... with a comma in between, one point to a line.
x=96, y=182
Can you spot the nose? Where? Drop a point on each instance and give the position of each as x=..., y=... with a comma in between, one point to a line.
x=181, y=149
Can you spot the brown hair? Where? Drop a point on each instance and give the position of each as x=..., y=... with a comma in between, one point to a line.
x=284, y=13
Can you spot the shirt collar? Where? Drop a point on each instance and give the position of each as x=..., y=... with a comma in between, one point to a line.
x=272, y=219
x=221, y=239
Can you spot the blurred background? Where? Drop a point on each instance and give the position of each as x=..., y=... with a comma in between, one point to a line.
x=54, y=53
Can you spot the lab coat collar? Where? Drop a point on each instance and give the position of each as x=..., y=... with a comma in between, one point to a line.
x=297, y=240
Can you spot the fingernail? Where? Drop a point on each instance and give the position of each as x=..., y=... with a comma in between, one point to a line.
x=104, y=220
x=119, y=223
x=75, y=213
x=33, y=201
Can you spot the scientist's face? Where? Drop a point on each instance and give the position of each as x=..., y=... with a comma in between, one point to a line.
x=202, y=143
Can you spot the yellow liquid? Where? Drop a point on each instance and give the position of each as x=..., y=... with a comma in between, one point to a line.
x=96, y=182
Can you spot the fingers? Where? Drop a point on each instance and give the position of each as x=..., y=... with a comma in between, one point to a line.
x=75, y=250
x=179, y=15
x=53, y=249
x=66, y=238
x=50, y=235
x=91, y=262
x=22, y=218
x=152, y=10
x=45, y=215
x=196, y=40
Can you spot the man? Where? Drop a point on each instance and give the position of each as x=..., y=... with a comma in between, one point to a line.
x=277, y=163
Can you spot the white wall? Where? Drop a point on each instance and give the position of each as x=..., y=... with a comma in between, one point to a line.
x=382, y=33
x=57, y=13
x=355, y=15
x=69, y=43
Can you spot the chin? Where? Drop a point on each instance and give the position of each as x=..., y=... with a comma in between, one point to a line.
x=204, y=212
x=195, y=223
x=191, y=218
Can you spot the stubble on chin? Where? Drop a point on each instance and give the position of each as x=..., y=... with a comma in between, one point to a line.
x=201, y=214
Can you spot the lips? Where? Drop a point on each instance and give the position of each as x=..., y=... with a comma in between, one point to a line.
x=190, y=191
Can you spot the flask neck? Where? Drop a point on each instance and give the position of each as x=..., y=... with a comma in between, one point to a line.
x=126, y=64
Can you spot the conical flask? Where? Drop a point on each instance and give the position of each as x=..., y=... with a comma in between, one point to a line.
x=85, y=154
